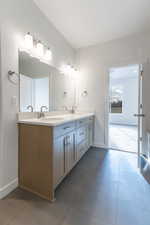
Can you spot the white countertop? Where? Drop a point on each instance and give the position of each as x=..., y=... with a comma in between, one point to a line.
x=55, y=120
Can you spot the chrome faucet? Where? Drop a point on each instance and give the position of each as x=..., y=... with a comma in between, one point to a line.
x=30, y=107
x=43, y=107
x=73, y=109
x=65, y=108
x=41, y=114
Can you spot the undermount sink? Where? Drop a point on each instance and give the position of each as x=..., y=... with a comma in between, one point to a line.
x=52, y=118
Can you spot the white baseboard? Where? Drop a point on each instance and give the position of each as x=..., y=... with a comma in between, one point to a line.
x=100, y=145
x=4, y=191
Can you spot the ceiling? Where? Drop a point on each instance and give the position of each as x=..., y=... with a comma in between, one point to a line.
x=87, y=22
x=122, y=73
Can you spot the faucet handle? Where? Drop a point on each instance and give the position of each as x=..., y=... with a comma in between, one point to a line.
x=65, y=108
x=74, y=107
x=30, y=107
x=43, y=107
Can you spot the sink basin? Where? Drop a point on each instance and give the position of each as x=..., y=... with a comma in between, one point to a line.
x=52, y=118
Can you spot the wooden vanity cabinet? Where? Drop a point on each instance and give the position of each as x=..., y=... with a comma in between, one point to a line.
x=47, y=154
x=64, y=156
x=36, y=160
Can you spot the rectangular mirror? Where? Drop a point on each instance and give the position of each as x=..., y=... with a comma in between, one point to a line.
x=34, y=83
x=43, y=85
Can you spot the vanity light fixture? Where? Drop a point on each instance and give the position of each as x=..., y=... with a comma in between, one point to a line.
x=40, y=49
x=28, y=40
x=72, y=70
x=75, y=73
x=68, y=70
x=63, y=69
x=36, y=49
x=48, y=55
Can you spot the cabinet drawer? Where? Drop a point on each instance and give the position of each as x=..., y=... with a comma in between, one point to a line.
x=81, y=122
x=63, y=129
x=81, y=134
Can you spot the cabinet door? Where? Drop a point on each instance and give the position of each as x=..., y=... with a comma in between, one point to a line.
x=90, y=135
x=81, y=149
x=59, y=160
x=70, y=151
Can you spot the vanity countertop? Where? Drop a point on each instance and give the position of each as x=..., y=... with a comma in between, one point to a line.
x=55, y=120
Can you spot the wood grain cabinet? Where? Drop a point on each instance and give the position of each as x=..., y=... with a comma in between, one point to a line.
x=64, y=156
x=48, y=154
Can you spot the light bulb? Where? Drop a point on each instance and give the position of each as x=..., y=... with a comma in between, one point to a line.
x=28, y=39
x=39, y=49
x=48, y=55
x=63, y=69
x=68, y=69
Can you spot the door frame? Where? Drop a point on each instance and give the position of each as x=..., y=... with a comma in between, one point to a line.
x=107, y=102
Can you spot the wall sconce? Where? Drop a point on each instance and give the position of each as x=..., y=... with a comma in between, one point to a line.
x=84, y=93
x=65, y=93
x=28, y=40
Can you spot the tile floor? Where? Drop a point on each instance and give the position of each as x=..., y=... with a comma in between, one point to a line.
x=105, y=188
x=123, y=137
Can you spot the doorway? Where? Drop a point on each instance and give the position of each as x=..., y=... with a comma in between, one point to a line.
x=123, y=105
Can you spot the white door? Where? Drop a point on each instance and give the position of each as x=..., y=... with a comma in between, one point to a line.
x=144, y=114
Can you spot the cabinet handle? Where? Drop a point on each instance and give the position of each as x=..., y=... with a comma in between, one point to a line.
x=67, y=140
x=82, y=133
x=64, y=155
x=74, y=147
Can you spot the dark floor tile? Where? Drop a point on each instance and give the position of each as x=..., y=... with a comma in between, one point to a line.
x=131, y=213
x=105, y=188
x=76, y=217
x=9, y=209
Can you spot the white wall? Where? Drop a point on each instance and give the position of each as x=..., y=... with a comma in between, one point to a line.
x=16, y=19
x=129, y=101
x=94, y=63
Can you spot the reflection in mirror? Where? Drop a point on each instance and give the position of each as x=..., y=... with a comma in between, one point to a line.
x=64, y=91
x=34, y=83
x=43, y=85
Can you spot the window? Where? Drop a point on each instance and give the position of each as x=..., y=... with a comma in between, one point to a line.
x=116, y=100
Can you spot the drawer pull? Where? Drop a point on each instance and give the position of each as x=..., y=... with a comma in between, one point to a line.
x=82, y=133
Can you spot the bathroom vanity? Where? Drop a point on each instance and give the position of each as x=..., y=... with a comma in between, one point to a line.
x=49, y=148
